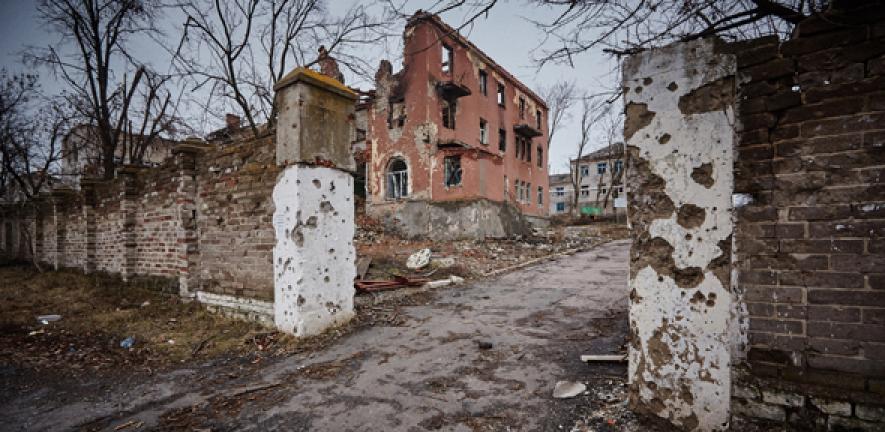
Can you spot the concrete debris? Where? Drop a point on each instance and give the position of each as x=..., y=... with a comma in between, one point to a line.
x=419, y=259
x=568, y=389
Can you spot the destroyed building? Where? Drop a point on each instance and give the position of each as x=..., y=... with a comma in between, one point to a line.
x=455, y=145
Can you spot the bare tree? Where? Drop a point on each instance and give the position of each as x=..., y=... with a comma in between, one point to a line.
x=239, y=49
x=560, y=97
x=592, y=110
x=98, y=68
x=31, y=132
x=614, y=151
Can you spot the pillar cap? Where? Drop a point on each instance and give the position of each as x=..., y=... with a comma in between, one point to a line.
x=191, y=145
x=315, y=79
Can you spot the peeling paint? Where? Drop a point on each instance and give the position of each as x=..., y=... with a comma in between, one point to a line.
x=680, y=139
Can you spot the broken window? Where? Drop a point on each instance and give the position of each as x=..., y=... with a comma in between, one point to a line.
x=500, y=94
x=600, y=168
x=527, y=151
x=506, y=189
x=483, y=83
x=528, y=193
x=453, y=170
x=540, y=196
x=540, y=157
x=502, y=140
x=521, y=107
x=619, y=165
x=448, y=58
x=538, y=119
x=585, y=190
x=585, y=170
x=397, y=179
x=448, y=115
x=360, y=134
x=483, y=132
x=517, y=141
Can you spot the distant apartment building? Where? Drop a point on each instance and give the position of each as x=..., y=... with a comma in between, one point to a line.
x=601, y=175
x=452, y=130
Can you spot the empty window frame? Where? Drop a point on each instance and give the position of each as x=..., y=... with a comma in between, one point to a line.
x=521, y=107
x=528, y=149
x=538, y=120
x=619, y=165
x=483, y=83
x=585, y=190
x=540, y=196
x=448, y=59
x=448, y=115
x=540, y=157
x=501, y=97
x=452, y=171
x=600, y=167
x=483, y=132
x=585, y=170
x=397, y=179
x=502, y=140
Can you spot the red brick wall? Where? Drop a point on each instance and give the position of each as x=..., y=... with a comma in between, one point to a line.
x=156, y=227
x=810, y=248
x=235, y=212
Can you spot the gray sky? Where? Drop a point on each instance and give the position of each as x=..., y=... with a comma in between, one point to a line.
x=505, y=35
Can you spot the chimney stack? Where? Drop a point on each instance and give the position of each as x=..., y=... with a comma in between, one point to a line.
x=232, y=121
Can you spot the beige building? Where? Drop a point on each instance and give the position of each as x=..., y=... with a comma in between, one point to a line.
x=600, y=182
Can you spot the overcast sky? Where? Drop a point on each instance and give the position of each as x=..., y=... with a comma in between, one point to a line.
x=505, y=35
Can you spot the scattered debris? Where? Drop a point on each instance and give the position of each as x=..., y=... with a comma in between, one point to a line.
x=604, y=358
x=136, y=424
x=568, y=389
x=484, y=345
x=419, y=260
x=127, y=343
x=382, y=285
x=46, y=319
x=443, y=262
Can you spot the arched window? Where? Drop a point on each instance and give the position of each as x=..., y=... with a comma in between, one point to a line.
x=397, y=179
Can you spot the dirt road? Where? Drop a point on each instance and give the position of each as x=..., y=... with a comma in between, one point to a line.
x=484, y=356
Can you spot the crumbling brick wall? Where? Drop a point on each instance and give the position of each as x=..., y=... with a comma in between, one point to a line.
x=156, y=230
x=110, y=239
x=236, y=236
x=810, y=250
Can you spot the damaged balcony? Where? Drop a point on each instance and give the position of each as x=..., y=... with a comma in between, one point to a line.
x=526, y=130
x=451, y=144
x=451, y=90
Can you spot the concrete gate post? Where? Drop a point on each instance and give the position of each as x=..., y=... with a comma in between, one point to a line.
x=679, y=133
x=314, y=257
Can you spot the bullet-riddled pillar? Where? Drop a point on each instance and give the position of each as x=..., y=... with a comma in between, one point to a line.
x=314, y=257
x=679, y=134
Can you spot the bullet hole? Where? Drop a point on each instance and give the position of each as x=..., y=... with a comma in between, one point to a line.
x=672, y=86
x=703, y=175
x=311, y=222
x=664, y=139
x=317, y=183
x=638, y=90
x=690, y=216
x=326, y=207
x=647, y=81
x=326, y=279
x=637, y=117
x=300, y=301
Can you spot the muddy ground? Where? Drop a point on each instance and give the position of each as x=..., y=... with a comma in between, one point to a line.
x=483, y=357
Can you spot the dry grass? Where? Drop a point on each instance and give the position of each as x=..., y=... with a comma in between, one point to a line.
x=97, y=313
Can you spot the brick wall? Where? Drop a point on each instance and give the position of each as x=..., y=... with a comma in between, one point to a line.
x=235, y=231
x=200, y=221
x=810, y=248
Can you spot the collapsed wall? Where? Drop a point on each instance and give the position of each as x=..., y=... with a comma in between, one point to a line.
x=803, y=123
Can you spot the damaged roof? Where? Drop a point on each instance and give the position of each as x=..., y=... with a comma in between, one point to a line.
x=422, y=16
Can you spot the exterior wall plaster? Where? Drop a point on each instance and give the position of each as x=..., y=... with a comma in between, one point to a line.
x=314, y=257
x=682, y=225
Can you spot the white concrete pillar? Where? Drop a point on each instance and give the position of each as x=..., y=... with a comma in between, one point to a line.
x=314, y=256
x=679, y=104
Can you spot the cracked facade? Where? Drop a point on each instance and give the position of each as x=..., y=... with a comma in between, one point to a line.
x=452, y=139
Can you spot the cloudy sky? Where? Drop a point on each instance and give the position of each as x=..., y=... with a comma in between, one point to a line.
x=505, y=34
